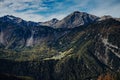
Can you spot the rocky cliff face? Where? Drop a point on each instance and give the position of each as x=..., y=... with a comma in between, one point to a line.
x=44, y=53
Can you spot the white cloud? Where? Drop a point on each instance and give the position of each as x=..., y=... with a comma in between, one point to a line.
x=106, y=8
x=10, y=7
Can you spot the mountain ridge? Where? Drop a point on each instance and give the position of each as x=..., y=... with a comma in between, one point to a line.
x=81, y=19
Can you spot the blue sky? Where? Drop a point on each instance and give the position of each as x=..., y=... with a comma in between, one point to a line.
x=43, y=10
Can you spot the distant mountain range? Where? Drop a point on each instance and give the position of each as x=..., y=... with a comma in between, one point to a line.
x=74, y=19
x=81, y=46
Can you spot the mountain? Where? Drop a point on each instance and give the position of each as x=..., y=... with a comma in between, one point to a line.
x=50, y=23
x=76, y=19
x=118, y=19
x=82, y=52
x=105, y=17
x=108, y=17
x=17, y=21
x=10, y=18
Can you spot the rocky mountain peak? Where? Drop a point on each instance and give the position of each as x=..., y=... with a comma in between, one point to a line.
x=105, y=17
x=53, y=21
x=118, y=19
x=10, y=18
x=76, y=19
x=78, y=12
x=50, y=22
